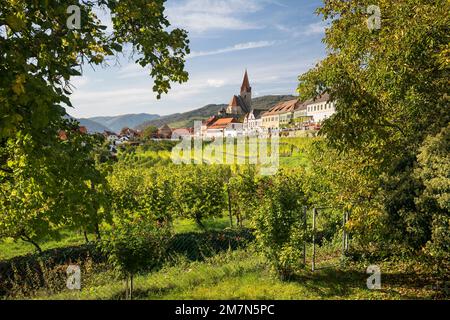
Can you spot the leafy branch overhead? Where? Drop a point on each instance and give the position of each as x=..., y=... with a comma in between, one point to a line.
x=40, y=54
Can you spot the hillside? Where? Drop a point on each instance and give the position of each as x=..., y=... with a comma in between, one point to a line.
x=186, y=119
x=93, y=126
x=117, y=123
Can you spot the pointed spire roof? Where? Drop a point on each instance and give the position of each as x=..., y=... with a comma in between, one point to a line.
x=246, y=83
x=234, y=102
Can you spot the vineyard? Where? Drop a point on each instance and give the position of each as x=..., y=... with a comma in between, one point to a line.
x=219, y=232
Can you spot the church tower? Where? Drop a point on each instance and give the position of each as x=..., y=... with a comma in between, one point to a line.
x=246, y=91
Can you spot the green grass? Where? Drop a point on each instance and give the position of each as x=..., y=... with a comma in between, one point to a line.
x=10, y=248
x=244, y=274
x=212, y=224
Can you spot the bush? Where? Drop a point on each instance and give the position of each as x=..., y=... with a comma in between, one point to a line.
x=134, y=247
x=279, y=222
x=433, y=171
x=200, y=191
x=26, y=275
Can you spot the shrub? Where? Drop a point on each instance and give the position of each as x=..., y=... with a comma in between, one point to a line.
x=134, y=247
x=433, y=170
x=200, y=191
x=279, y=222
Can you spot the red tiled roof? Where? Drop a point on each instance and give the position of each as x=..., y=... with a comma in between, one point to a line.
x=209, y=121
x=223, y=123
x=283, y=107
x=83, y=129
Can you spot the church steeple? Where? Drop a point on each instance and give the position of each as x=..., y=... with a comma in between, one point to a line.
x=246, y=84
x=246, y=91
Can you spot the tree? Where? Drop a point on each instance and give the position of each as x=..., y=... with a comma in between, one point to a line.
x=390, y=85
x=40, y=53
x=149, y=132
x=434, y=171
x=42, y=190
x=242, y=190
x=47, y=182
x=134, y=247
x=278, y=220
x=199, y=191
x=391, y=91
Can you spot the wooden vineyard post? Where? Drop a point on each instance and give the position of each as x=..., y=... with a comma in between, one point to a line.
x=347, y=215
x=344, y=235
x=314, y=240
x=305, y=229
x=229, y=207
x=131, y=286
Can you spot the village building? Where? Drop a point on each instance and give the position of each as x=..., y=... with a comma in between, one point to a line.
x=207, y=123
x=181, y=133
x=280, y=115
x=222, y=127
x=129, y=133
x=320, y=108
x=253, y=122
x=300, y=113
x=164, y=132
x=234, y=130
x=110, y=136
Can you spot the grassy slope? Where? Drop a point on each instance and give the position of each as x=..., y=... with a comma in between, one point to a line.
x=244, y=274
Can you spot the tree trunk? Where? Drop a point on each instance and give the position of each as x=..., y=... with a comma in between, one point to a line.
x=26, y=238
x=199, y=222
x=85, y=236
x=97, y=232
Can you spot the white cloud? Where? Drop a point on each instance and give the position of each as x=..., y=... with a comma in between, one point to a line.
x=79, y=82
x=311, y=29
x=216, y=83
x=315, y=28
x=236, y=47
x=204, y=15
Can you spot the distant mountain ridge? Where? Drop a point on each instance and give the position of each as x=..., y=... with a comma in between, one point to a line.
x=186, y=119
x=177, y=120
x=93, y=126
x=117, y=123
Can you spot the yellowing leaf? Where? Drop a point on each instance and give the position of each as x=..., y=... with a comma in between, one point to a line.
x=18, y=87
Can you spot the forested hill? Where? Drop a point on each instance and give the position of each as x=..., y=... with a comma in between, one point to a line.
x=186, y=119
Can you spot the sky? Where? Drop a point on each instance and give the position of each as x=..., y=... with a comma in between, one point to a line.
x=275, y=40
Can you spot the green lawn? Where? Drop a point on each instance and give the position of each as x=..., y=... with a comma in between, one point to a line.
x=244, y=274
x=10, y=248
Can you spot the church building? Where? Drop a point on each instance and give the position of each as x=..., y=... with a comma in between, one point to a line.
x=240, y=104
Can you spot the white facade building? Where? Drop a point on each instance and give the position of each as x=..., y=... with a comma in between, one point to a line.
x=253, y=122
x=321, y=108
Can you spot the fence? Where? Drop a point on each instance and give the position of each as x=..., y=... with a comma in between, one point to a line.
x=318, y=235
x=26, y=275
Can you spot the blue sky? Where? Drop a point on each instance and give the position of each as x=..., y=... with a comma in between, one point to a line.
x=276, y=40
